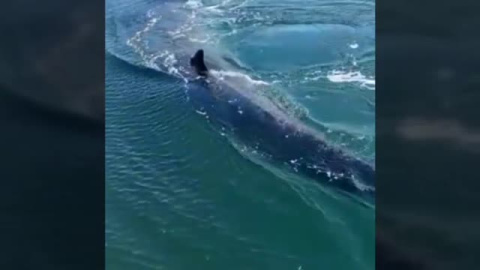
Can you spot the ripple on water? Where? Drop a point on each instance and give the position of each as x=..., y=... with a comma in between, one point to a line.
x=177, y=188
x=286, y=47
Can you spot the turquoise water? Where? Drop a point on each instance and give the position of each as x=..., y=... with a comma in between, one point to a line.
x=182, y=195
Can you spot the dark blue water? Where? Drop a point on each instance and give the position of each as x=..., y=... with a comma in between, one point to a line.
x=184, y=195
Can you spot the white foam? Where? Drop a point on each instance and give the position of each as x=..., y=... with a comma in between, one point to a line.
x=361, y=186
x=337, y=76
x=135, y=41
x=193, y=4
x=222, y=75
x=313, y=76
x=197, y=40
x=353, y=45
x=214, y=9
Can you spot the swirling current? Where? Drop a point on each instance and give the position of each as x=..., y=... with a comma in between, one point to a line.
x=183, y=195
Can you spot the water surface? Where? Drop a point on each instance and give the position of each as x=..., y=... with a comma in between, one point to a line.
x=180, y=194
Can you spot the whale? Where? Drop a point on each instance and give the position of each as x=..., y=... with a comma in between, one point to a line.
x=281, y=139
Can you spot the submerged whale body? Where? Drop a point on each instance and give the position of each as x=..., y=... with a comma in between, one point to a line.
x=283, y=141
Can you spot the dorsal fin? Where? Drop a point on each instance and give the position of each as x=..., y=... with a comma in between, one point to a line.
x=198, y=63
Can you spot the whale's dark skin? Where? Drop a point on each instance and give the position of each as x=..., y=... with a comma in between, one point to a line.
x=282, y=141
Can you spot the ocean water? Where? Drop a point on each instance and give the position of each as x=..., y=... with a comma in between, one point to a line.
x=181, y=194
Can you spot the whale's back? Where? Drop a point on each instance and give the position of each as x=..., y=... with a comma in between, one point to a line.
x=283, y=140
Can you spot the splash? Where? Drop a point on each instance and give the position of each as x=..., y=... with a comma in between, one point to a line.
x=337, y=76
